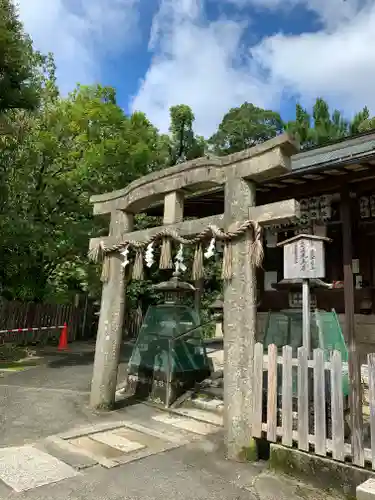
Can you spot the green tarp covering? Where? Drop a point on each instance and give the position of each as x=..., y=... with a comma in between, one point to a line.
x=164, y=359
x=285, y=328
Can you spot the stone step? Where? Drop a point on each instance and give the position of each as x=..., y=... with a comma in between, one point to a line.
x=201, y=415
x=66, y=452
x=187, y=424
x=366, y=490
x=208, y=404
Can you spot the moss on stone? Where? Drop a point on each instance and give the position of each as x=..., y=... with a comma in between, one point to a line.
x=104, y=407
x=322, y=472
x=249, y=453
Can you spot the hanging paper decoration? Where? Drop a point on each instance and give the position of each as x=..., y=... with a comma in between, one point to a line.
x=271, y=238
x=179, y=260
x=210, y=252
x=372, y=205
x=304, y=207
x=364, y=207
x=314, y=208
x=125, y=254
x=143, y=251
x=325, y=209
x=149, y=254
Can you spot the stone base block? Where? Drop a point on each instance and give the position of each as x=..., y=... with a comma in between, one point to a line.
x=321, y=472
x=366, y=490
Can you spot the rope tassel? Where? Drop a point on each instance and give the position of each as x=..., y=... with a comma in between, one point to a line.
x=226, y=271
x=96, y=253
x=138, y=269
x=197, y=272
x=257, y=251
x=105, y=269
x=168, y=236
x=166, y=261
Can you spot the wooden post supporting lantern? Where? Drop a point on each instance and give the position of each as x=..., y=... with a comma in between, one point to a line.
x=304, y=260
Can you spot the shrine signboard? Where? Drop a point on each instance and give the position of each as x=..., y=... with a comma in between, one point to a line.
x=304, y=260
x=304, y=257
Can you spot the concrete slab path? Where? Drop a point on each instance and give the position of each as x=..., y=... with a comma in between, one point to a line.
x=52, y=446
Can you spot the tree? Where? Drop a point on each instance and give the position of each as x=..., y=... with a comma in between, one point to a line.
x=362, y=122
x=245, y=127
x=184, y=145
x=322, y=128
x=72, y=148
x=300, y=128
x=17, y=63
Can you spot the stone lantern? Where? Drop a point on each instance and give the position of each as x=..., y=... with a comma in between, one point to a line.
x=217, y=314
x=169, y=356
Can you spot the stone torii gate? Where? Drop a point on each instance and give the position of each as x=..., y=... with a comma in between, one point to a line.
x=238, y=174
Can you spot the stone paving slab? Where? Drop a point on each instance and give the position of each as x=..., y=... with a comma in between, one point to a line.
x=116, y=441
x=24, y=468
x=201, y=415
x=106, y=456
x=66, y=452
x=187, y=424
x=145, y=432
x=111, y=444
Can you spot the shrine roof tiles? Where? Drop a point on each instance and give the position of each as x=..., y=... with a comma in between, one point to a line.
x=338, y=152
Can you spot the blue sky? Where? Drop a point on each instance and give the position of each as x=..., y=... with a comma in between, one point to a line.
x=212, y=54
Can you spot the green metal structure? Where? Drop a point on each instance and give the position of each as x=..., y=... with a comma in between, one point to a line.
x=169, y=356
x=285, y=328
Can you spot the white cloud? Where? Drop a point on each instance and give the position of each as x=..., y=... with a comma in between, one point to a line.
x=337, y=64
x=80, y=33
x=198, y=63
x=204, y=63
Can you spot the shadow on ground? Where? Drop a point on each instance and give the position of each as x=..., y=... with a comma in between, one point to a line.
x=86, y=358
x=50, y=398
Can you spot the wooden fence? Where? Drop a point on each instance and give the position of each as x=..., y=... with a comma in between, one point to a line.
x=32, y=315
x=300, y=402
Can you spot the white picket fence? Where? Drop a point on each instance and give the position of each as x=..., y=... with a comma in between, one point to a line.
x=306, y=427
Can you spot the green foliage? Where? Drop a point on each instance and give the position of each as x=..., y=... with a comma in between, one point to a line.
x=323, y=127
x=67, y=150
x=17, y=85
x=245, y=127
x=184, y=145
x=59, y=151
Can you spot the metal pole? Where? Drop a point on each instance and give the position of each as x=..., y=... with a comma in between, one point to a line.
x=306, y=315
x=169, y=375
x=85, y=316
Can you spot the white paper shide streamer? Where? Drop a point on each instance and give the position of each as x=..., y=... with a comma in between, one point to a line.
x=179, y=260
x=149, y=255
x=125, y=254
x=210, y=252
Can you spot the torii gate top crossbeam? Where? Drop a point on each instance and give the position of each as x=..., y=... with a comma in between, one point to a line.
x=265, y=161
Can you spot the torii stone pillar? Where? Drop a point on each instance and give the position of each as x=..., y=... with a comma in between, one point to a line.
x=240, y=313
x=109, y=336
x=240, y=310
